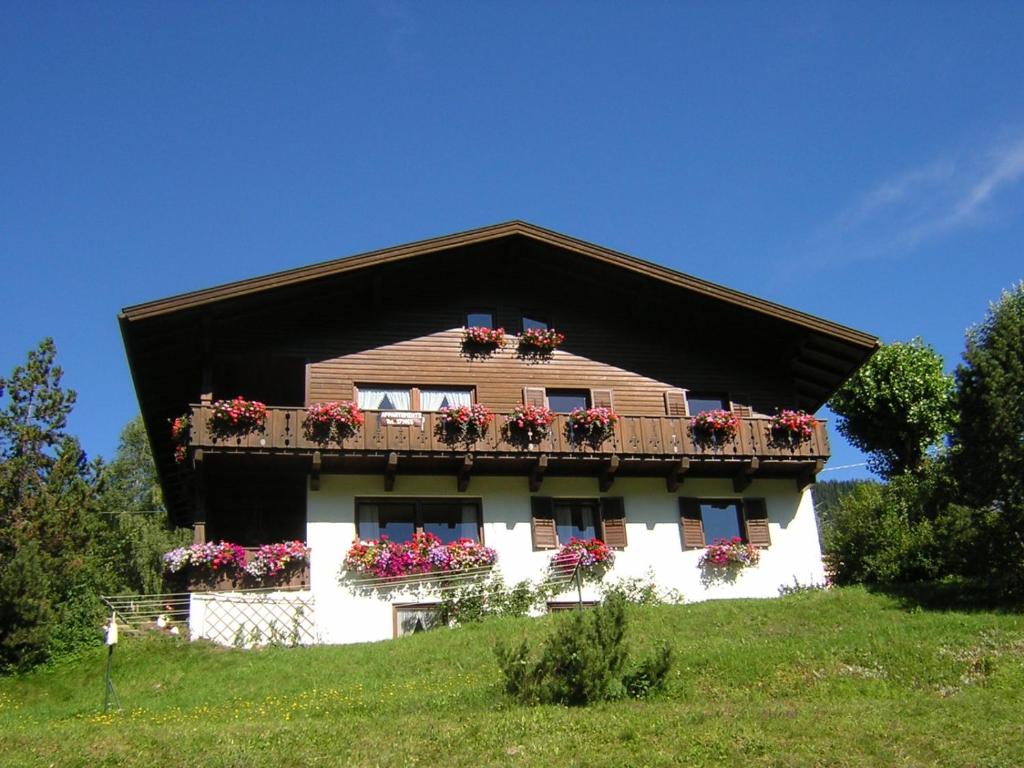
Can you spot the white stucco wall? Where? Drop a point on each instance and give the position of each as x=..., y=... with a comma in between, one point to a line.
x=652, y=524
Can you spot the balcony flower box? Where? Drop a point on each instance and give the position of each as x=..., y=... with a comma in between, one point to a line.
x=528, y=425
x=591, y=426
x=332, y=422
x=463, y=424
x=181, y=429
x=715, y=428
x=731, y=553
x=425, y=554
x=591, y=556
x=540, y=342
x=237, y=417
x=790, y=428
x=224, y=565
x=480, y=341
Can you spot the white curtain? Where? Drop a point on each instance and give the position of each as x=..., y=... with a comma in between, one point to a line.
x=384, y=399
x=433, y=399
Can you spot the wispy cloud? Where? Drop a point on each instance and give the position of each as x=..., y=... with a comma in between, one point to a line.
x=401, y=30
x=924, y=204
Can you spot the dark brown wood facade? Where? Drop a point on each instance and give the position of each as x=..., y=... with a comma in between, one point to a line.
x=633, y=329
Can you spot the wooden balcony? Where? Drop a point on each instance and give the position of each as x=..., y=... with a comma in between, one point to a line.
x=640, y=446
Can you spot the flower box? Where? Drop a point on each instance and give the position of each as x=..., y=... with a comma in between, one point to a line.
x=729, y=553
x=715, y=427
x=181, y=429
x=540, y=341
x=481, y=339
x=528, y=425
x=791, y=428
x=463, y=423
x=591, y=425
x=332, y=422
x=237, y=417
x=222, y=566
x=425, y=554
x=591, y=556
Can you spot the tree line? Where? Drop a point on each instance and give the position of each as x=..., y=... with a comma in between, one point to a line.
x=950, y=452
x=71, y=529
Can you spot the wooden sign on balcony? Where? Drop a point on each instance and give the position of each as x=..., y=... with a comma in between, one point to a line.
x=400, y=419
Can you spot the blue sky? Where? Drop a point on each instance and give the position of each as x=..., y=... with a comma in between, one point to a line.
x=863, y=162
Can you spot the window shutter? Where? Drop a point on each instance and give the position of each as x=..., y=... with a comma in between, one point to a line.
x=542, y=522
x=600, y=398
x=675, y=402
x=743, y=411
x=755, y=515
x=534, y=396
x=691, y=523
x=613, y=520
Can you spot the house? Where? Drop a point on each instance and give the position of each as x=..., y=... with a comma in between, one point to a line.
x=385, y=330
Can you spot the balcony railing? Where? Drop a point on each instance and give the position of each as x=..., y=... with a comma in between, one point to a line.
x=655, y=437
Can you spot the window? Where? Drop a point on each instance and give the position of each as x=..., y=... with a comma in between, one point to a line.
x=416, y=617
x=704, y=401
x=555, y=521
x=436, y=399
x=385, y=398
x=530, y=322
x=702, y=521
x=566, y=400
x=480, y=320
x=554, y=606
x=449, y=520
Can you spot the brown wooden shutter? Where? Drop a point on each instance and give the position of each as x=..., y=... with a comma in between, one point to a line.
x=691, y=523
x=675, y=402
x=755, y=515
x=600, y=398
x=542, y=522
x=534, y=396
x=743, y=411
x=613, y=520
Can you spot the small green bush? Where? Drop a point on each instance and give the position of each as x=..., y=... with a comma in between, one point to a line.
x=583, y=662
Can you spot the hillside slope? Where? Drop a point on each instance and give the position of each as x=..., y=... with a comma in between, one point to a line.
x=839, y=678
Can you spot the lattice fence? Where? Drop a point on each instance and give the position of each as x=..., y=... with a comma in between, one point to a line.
x=243, y=619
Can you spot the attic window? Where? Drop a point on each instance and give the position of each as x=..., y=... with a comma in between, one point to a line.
x=480, y=320
x=696, y=402
x=384, y=399
x=529, y=322
x=566, y=400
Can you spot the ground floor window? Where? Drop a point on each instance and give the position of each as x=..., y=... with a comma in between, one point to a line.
x=577, y=519
x=704, y=521
x=398, y=519
x=554, y=606
x=416, y=617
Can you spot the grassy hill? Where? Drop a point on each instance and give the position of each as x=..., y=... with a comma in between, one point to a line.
x=839, y=678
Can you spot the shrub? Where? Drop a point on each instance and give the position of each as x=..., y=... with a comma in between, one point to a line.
x=583, y=662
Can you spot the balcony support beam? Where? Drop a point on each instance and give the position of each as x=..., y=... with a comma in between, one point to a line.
x=742, y=479
x=608, y=475
x=465, y=471
x=390, y=470
x=808, y=477
x=199, y=487
x=676, y=475
x=537, y=473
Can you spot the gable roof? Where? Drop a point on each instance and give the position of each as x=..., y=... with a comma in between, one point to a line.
x=291, y=277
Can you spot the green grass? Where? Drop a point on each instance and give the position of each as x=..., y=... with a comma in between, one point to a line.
x=840, y=678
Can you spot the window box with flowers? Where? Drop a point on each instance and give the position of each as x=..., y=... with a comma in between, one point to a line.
x=789, y=429
x=713, y=429
x=237, y=417
x=425, y=554
x=463, y=424
x=731, y=553
x=181, y=429
x=539, y=342
x=481, y=341
x=590, y=426
x=592, y=557
x=224, y=565
x=332, y=422
x=528, y=425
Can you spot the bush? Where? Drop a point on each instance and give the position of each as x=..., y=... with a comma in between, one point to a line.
x=583, y=662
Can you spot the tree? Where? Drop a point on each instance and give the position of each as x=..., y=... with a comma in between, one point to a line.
x=49, y=520
x=897, y=406
x=131, y=496
x=988, y=442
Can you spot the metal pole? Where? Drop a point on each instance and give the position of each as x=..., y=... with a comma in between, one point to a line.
x=579, y=588
x=108, y=689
